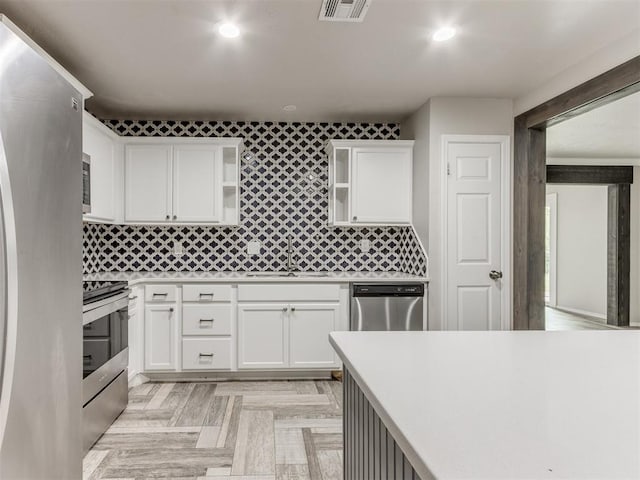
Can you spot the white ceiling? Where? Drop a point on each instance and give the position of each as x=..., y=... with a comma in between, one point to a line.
x=609, y=132
x=163, y=59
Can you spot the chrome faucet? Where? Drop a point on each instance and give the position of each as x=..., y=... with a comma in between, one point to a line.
x=291, y=264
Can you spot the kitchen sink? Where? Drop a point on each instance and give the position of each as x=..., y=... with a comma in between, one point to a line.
x=269, y=274
x=287, y=274
x=311, y=274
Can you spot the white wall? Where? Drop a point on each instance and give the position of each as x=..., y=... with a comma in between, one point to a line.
x=582, y=70
x=581, y=248
x=417, y=128
x=442, y=116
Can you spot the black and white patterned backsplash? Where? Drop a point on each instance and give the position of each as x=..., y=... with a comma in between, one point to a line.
x=284, y=175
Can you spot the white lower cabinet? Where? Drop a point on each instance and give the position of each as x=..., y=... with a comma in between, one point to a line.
x=286, y=336
x=262, y=336
x=160, y=337
x=249, y=326
x=309, y=329
x=206, y=353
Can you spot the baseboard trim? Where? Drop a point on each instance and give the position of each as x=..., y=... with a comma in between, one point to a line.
x=584, y=313
x=137, y=379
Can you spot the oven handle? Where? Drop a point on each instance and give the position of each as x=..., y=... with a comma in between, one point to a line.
x=118, y=303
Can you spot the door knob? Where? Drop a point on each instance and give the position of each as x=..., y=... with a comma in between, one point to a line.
x=495, y=275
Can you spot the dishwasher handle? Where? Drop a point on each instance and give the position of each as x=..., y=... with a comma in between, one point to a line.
x=388, y=290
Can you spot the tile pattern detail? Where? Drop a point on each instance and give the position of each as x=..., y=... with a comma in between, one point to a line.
x=284, y=175
x=231, y=430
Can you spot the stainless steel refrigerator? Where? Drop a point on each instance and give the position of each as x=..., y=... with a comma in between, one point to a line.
x=40, y=267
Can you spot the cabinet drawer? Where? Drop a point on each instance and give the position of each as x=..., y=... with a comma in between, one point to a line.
x=206, y=293
x=206, y=319
x=206, y=353
x=289, y=292
x=160, y=293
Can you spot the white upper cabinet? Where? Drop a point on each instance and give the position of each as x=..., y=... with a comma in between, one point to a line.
x=197, y=179
x=102, y=145
x=147, y=183
x=381, y=185
x=370, y=182
x=187, y=181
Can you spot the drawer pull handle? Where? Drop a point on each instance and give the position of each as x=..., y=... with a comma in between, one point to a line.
x=160, y=295
x=171, y=310
x=203, y=320
x=206, y=355
x=203, y=295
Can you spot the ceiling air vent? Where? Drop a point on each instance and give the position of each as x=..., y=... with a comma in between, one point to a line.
x=344, y=10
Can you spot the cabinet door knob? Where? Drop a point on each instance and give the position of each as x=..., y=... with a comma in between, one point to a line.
x=167, y=217
x=171, y=310
x=175, y=217
x=284, y=310
x=293, y=309
x=355, y=219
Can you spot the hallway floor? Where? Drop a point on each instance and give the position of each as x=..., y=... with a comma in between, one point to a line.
x=278, y=430
x=562, y=320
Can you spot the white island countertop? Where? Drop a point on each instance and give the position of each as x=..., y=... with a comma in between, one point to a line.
x=498, y=405
x=250, y=277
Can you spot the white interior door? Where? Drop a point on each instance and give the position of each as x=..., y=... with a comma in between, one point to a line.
x=475, y=234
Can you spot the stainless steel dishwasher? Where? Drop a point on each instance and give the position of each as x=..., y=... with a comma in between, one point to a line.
x=398, y=306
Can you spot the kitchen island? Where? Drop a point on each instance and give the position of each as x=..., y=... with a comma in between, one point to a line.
x=422, y=405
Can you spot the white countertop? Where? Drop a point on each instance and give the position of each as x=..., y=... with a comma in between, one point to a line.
x=505, y=404
x=244, y=277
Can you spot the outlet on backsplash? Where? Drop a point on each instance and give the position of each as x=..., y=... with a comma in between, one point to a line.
x=178, y=249
x=253, y=248
x=365, y=246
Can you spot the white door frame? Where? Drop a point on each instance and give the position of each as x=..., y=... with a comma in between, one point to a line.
x=506, y=189
x=552, y=201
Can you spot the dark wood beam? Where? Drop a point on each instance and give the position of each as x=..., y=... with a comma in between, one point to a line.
x=530, y=178
x=589, y=174
x=529, y=200
x=619, y=255
x=624, y=78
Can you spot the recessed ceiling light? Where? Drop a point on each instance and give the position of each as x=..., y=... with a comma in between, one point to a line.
x=289, y=108
x=229, y=30
x=444, y=33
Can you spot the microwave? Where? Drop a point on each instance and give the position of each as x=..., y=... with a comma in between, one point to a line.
x=86, y=183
